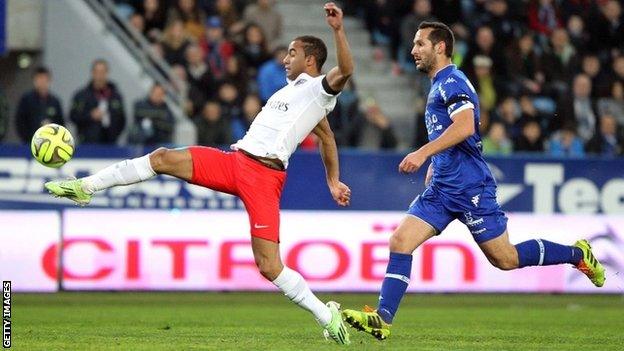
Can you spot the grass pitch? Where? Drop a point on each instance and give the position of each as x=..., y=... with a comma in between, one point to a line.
x=268, y=321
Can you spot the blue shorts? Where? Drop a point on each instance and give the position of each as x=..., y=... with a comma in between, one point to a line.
x=477, y=209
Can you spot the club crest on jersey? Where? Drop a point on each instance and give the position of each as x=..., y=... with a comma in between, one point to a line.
x=300, y=81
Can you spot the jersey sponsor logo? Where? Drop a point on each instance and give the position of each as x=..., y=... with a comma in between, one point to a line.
x=278, y=105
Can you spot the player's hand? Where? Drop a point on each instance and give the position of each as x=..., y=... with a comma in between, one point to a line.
x=333, y=15
x=413, y=161
x=341, y=193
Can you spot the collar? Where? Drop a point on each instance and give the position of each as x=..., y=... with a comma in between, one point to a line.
x=443, y=71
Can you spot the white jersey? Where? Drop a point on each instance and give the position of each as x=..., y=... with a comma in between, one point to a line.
x=287, y=118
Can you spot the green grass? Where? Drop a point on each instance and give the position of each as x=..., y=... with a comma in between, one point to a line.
x=267, y=321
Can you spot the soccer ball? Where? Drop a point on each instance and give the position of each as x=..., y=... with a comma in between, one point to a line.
x=52, y=145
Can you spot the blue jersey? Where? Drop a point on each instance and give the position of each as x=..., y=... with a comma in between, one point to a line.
x=460, y=167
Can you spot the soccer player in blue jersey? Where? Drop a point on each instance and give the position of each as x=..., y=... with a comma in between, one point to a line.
x=459, y=185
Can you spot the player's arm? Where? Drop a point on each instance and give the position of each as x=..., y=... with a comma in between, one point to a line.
x=329, y=154
x=338, y=76
x=461, y=128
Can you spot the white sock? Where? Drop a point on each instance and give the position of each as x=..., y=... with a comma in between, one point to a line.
x=296, y=289
x=122, y=173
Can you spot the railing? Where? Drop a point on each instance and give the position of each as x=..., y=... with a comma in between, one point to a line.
x=141, y=49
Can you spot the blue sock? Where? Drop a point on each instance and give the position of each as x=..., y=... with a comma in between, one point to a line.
x=538, y=252
x=394, y=285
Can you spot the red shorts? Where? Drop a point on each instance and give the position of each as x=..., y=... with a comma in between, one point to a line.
x=259, y=187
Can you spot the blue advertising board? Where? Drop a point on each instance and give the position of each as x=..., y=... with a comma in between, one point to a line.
x=526, y=184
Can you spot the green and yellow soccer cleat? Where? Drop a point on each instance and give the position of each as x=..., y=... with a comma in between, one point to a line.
x=368, y=321
x=71, y=189
x=590, y=265
x=336, y=328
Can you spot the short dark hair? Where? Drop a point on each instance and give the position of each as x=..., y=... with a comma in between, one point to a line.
x=440, y=32
x=313, y=46
x=41, y=70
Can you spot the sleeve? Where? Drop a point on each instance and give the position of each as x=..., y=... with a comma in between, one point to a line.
x=326, y=96
x=458, y=95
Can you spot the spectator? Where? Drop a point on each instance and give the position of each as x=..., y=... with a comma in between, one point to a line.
x=485, y=45
x=193, y=99
x=496, y=141
x=228, y=13
x=212, y=128
x=98, y=109
x=531, y=138
x=216, y=48
x=578, y=109
x=4, y=114
x=38, y=106
x=254, y=48
x=618, y=69
x=153, y=121
x=138, y=23
x=566, y=143
x=579, y=38
x=264, y=14
x=230, y=101
x=607, y=142
x=198, y=72
x=155, y=16
x=614, y=105
x=508, y=113
x=607, y=29
x=174, y=43
x=271, y=75
x=544, y=17
x=528, y=111
x=497, y=17
x=600, y=81
x=191, y=15
x=559, y=63
x=484, y=82
x=236, y=73
x=374, y=131
x=342, y=119
x=251, y=107
x=524, y=66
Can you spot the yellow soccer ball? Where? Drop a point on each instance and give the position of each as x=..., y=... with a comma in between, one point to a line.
x=52, y=145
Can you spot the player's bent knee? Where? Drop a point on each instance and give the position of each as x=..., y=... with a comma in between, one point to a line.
x=269, y=269
x=398, y=243
x=505, y=263
x=158, y=159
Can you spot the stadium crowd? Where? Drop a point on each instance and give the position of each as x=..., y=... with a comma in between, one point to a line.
x=549, y=74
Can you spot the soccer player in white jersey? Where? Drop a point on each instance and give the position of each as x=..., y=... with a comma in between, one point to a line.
x=255, y=169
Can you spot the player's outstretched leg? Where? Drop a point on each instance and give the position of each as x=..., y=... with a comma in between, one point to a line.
x=292, y=284
x=407, y=237
x=177, y=163
x=540, y=252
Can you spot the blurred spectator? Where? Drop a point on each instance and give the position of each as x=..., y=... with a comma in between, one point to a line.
x=607, y=141
x=566, y=143
x=600, y=81
x=4, y=114
x=448, y=11
x=559, y=63
x=227, y=12
x=508, y=113
x=524, y=66
x=230, y=101
x=618, y=69
x=578, y=108
x=497, y=17
x=154, y=14
x=38, y=106
x=342, y=118
x=98, y=109
x=579, y=37
x=531, y=139
x=216, y=48
x=193, y=98
x=528, y=111
x=614, y=104
x=271, y=75
x=251, y=107
x=198, y=72
x=153, y=121
x=137, y=22
x=254, y=48
x=544, y=17
x=174, y=43
x=485, y=45
x=496, y=141
x=607, y=29
x=212, y=128
x=484, y=82
x=191, y=15
x=264, y=14
x=374, y=131
x=236, y=73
